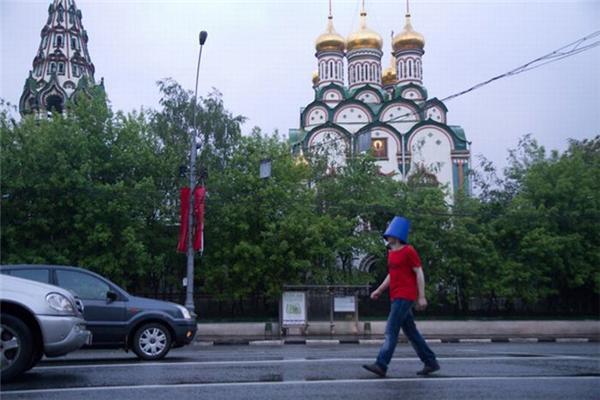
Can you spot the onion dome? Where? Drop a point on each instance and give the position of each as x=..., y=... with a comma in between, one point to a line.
x=330, y=39
x=408, y=38
x=390, y=75
x=315, y=78
x=364, y=38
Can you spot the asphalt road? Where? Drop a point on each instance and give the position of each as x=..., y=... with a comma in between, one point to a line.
x=469, y=371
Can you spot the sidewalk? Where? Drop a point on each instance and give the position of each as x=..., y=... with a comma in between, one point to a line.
x=434, y=330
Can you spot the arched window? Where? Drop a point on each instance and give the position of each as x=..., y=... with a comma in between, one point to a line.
x=61, y=68
x=414, y=71
x=403, y=69
x=410, y=68
x=59, y=41
x=359, y=73
x=330, y=70
x=52, y=67
x=374, y=72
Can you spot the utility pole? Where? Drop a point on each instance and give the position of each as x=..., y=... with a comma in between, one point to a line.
x=194, y=146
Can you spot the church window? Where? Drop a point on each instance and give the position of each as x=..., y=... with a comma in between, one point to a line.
x=366, y=72
x=330, y=69
x=61, y=68
x=52, y=67
x=75, y=70
x=60, y=11
x=359, y=73
x=410, y=67
x=71, y=17
x=74, y=43
x=58, y=40
x=44, y=41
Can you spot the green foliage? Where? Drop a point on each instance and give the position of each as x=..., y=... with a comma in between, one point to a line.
x=101, y=190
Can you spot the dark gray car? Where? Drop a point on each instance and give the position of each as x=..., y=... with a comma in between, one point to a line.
x=117, y=319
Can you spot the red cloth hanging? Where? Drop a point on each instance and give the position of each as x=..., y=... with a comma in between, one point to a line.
x=184, y=220
x=199, y=198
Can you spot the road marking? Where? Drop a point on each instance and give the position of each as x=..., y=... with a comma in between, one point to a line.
x=572, y=340
x=266, y=343
x=321, y=342
x=475, y=340
x=523, y=340
x=296, y=361
x=298, y=382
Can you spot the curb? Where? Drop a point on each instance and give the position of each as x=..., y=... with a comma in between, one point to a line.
x=379, y=342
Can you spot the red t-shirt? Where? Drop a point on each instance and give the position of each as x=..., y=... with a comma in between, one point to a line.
x=403, y=280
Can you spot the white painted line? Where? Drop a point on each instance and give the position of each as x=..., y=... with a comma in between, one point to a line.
x=321, y=342
x=572, y=340
x=266, y=343
x=297, y=361
x=475, y=340
x=433, y=340
x=203, y=343
x=523, y=340
x=371, y=341
x=361, y=382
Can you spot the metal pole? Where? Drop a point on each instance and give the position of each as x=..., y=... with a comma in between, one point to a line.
x=189, y=293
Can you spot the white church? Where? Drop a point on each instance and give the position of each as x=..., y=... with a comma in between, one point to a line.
x=358, y=105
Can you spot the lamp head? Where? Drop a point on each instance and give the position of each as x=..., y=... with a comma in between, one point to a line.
x=203, y=35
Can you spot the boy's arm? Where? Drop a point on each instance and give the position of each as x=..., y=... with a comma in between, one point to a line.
x=384, y=285
x=421, y=300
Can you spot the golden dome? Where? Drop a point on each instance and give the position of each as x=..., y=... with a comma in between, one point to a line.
x=315, y=78
x=408, y=38
x=330, y=39
x=364, y=38
x=390, y=75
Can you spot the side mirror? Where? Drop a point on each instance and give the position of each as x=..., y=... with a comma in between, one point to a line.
x=111, y=296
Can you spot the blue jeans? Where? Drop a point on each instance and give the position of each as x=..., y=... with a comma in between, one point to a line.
x=401, y=316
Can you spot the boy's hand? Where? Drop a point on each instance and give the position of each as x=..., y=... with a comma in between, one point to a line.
x=421, y=303
x=375, y=295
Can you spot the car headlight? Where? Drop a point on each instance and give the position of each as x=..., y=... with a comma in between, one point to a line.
x=185, y=312
x=60, y=303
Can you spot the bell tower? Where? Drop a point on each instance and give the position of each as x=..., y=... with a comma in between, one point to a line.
x=62, y=67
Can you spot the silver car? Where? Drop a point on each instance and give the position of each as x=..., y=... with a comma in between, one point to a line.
x=36, y=320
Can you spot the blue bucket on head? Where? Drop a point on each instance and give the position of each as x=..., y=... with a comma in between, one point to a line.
x=398, y=229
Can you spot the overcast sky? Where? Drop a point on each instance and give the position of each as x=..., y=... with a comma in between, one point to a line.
x=260, y=55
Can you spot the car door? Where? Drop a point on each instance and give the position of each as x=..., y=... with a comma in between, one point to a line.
x=105, y=317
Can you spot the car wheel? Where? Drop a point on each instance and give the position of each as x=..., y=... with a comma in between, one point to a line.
x=152, y=341
x=16, y=344
x=35, y=358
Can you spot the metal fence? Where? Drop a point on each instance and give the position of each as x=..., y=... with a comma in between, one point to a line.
x=264, y=308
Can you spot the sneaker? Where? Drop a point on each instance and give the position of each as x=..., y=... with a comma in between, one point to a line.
x=429, y=368
x=376, y=369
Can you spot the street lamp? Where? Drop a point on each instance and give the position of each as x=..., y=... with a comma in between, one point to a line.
x=189, y=293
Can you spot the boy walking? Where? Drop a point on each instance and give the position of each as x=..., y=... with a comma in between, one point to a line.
x=407, y=285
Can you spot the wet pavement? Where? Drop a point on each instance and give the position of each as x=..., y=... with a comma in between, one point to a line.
x=469, y=371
